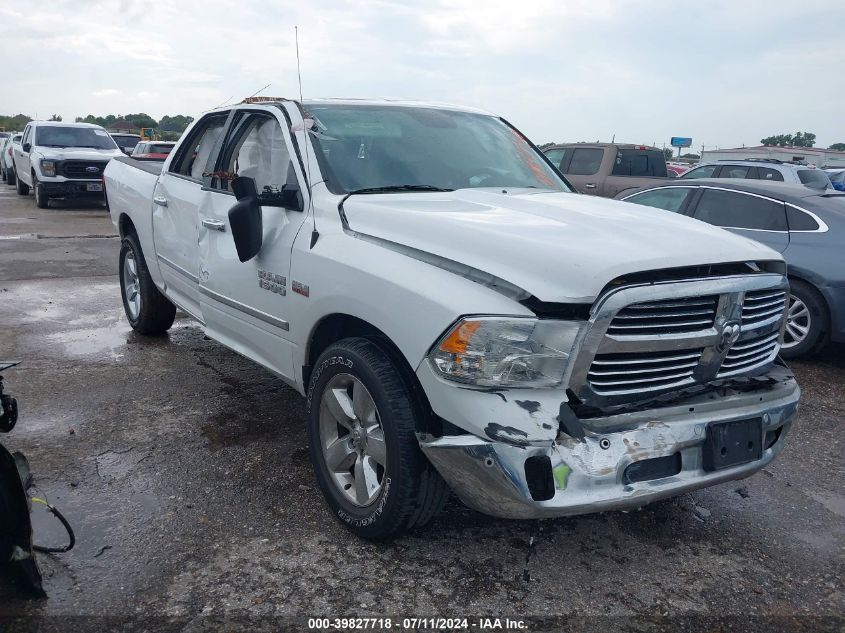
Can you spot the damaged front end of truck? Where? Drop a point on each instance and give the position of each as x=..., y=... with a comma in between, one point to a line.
x=672, y=384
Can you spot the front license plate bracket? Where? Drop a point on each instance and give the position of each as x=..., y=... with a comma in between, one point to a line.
x=732, y=443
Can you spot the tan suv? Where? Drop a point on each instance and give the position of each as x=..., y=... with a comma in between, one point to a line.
x=606, y=169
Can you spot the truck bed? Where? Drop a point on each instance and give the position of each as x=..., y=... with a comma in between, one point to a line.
x=150, y=165
x=130, y=184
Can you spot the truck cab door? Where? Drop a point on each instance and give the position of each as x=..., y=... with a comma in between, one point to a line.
x=583, y=168
x=22, y=161
x=179, y=197
x=246, y=305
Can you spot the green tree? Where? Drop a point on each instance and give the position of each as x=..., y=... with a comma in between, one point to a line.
x=176, y=123
x=799, y=139
x=668, y=153
x=777, y=139
x=140, y=120
x=55, y=117
x=839, y=147
x=694, y=156
x=804, y=139
x=15, y=122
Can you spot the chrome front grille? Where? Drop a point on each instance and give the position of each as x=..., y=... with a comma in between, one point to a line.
x=648, y=339
x=749, y=354
x=762, y=305
x=665, y=317
x=618, y=373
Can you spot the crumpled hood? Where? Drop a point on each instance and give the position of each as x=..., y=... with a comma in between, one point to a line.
x=560, y=247
x=77, y=153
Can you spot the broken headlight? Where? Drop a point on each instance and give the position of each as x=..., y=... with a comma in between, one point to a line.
x=506, y=351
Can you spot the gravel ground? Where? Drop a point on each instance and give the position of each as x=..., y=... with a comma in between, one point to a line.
x=183, y=469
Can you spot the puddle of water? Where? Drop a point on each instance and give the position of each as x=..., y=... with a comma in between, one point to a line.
x=101, y=341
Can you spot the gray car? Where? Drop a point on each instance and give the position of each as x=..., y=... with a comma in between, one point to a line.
x=807, y=226
x=768, y=169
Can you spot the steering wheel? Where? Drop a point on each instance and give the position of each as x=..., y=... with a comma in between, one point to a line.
x=484, y=174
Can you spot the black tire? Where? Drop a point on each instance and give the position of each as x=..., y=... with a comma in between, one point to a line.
x=11, y=177
x=413, y=492
x=155, y=314
x=3, y=175
x=818, y=321
x=42, y=200
x=21, y=187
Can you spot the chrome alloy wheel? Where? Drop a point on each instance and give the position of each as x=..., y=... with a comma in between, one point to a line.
x=352, y=440
x=131, y=285
x=798, y=322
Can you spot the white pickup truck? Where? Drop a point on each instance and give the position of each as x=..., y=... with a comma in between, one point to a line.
x=62, y=160
x=455, y=316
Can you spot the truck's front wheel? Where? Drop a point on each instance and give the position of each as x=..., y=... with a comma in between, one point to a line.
x=42, y=200
x=147, y=310
x=362, y=417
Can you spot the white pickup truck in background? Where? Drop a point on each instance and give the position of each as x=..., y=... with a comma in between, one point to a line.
x=62, y=160
x=455, y=316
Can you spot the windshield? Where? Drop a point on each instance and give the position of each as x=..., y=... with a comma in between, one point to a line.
x=371, y=146
x=814, y=178
x=58, y=136
x=837, y=176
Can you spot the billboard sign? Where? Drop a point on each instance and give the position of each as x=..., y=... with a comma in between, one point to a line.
x=681, y=141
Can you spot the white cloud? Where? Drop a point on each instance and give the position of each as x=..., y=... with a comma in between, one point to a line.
x=106, y=92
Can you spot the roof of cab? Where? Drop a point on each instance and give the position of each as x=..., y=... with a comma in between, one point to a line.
x=352, y=101
x=66, y=124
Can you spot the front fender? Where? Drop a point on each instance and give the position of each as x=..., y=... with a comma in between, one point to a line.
x=410, y=301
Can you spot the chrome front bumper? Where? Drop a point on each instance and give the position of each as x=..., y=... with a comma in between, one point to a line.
x=589, y=475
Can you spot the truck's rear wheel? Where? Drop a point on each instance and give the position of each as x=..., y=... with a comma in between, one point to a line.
x=147, y=310
x=11, y=177
x=20, y=187
x=362, y=417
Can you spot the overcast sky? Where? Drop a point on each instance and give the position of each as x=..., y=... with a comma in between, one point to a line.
x=725, y=72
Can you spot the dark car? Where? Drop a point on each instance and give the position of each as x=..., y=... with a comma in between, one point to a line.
x=806, y=225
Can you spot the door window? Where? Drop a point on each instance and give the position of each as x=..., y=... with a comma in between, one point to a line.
x=734, y=171
x=555, y=156
x=27, y=133
x=668, y=198
x=640, y=162
x=814, y=178
x=705, y=171
x=585, y=161
x=738, y=210
x=256, y=148
x=196, y=150
x=800, y=221
x=767, y=173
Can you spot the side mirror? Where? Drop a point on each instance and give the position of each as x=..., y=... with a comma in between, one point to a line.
x=289, y=197
x=26, y=147
x=245, y=219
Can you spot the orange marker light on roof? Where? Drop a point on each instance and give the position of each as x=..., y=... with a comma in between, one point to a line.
x=459, y=338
